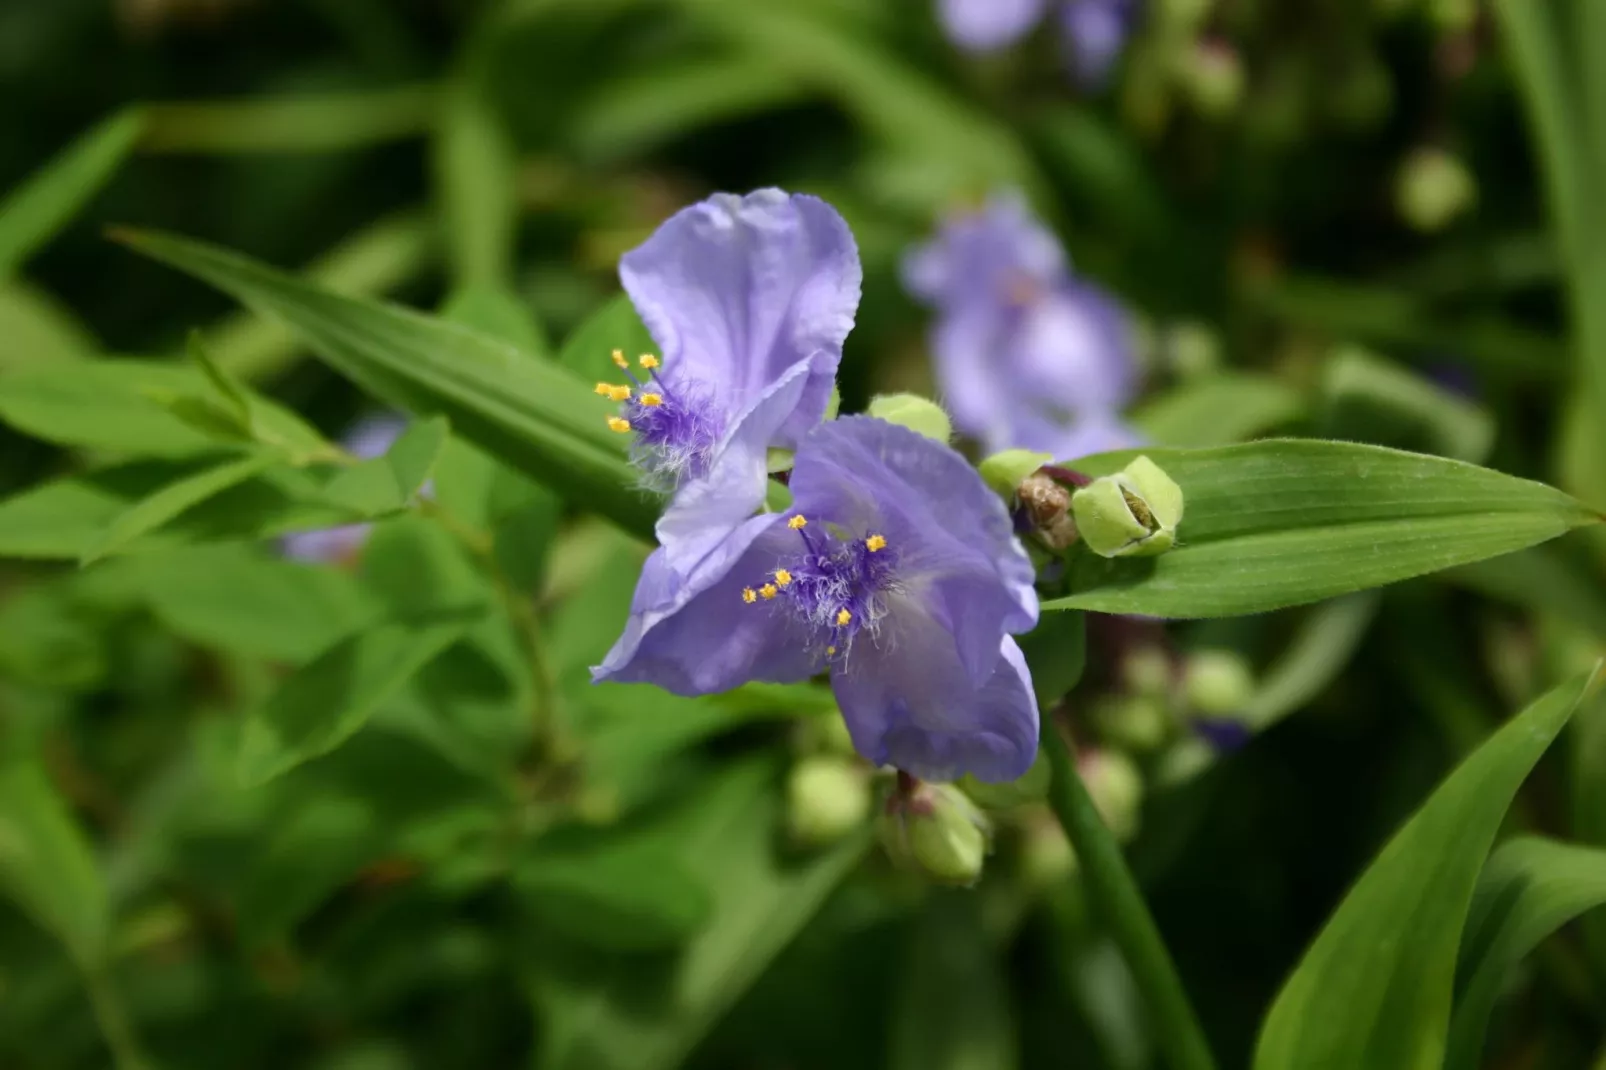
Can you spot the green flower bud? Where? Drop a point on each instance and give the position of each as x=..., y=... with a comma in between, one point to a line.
x=1183, y=760
x=1005, y=471
x=1116, y=786
x=1047, y=858
x=1028, y=788
x=826, y=798
x=1213, y=77
x=914, y=412
x=1217, y=683
x=1139, y=723
x=938, y=831
x=1133, y=513
x=1433, y=188
x=1193, y=348
x=1147, y=671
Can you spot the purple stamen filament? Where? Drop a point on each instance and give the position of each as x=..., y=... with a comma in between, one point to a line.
x=835, y=585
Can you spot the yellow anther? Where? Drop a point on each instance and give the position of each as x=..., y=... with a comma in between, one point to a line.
x=830, y=651
x=782, y=577
x=842, y=618
x=619, y=359
x=875, y=542
x=652, y=401
x=649, y=361
x=749, y=595
x=797, y=522
x=619, y=424
x=605, y=389
x=620, y=393
x=768, y=591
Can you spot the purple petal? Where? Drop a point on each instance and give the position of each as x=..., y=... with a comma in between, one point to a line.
x=976, y=390
x=1095, y=34
x=706, y=510
x=737, y=290
x=907, y=705
x=984, y=25
x=1074, y=349
x=1069, y=440
x=996, y=256
x=693, y=635
x=372, y=436
x=956, y=546
x=326, y=545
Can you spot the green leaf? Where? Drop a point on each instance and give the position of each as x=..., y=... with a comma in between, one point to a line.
x=56, y=520
x=1282, y=522
x=36, y=328
x=1530, y=888
x=324, y=703
x=1219, y=410
x=1374, y=990
x=953, y=1011
x=127, y=406
x=497, y=311
x=1373, y=400
x=239, y=598
x=476, y=172
x=232, y=393
x=323, y=841
x=46, y=202
x=326, y=122
x=1315, y=656
x=588, y=351
x=1546, y=578
x=386, y=484
x=626, y=896
x=531, y=414
x=150, y=513
x=46, y=865
x=597, y=1018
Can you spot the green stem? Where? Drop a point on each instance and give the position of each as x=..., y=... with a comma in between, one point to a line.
x=1114, y=892
x=112, y=1017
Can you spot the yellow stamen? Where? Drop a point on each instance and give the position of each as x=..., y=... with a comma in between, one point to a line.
x=605, y=389
x=768, y=591
x=875, y=542
x=619, y=359
x=649, y=361
x=782, y=577
x=842, y=618
x=652, y=401
x=830, y=651
x=797, y=522
x=619, y=424
x=749, y=595
x=620, y=393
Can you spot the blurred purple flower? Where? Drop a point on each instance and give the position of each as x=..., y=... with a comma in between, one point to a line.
x=1095, y=31
x=368, y=438
x=1027, y=355
x=750, y=300
x=896, y=570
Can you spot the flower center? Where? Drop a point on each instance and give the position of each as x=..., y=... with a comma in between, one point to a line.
x=834, y=584
x=676, y=429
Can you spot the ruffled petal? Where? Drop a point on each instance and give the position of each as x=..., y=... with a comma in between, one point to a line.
x=737, y=290
x=1095, y=34
x=907, y=705
x=705, y=511
x=954, y=540
x=693, y=635
x=984, y=25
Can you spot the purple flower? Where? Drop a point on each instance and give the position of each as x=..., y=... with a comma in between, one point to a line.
x=1095, y=31
x=369, y=437
x=1028, y=356
x=896, y=571
x=750, y=300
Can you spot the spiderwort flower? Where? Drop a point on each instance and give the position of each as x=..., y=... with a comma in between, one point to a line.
x=896, y=571
x=750, y=300
x=1028, y=356
x=370, y=437
x=1095, y=31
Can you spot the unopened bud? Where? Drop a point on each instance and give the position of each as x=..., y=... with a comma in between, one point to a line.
x=1047, y=505
x=826, y=798
x=1213, y=77
x=1004, y=471
x=1116, y=787
x=914, y=412
x=935, y=828
x=1433, y=188
x=1193, y=349
x=1217, y=683
x=1147, y=671
x=1030, y=787
x=1140, y=723
x=1133, y=513
x=1046, y=856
